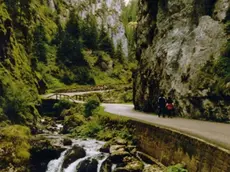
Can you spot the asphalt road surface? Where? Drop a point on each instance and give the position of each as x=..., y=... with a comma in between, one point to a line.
x=212, y=132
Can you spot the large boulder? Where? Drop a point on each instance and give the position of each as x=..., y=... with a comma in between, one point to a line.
x=118, y=152
x=88, y=165
x=133, y=165
x=43, y=150
x=115, y=141
x=73, y=154
x=67, y=142
x=106, y=166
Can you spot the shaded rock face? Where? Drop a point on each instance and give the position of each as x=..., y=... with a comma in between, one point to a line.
x=42, y=152
x=87, y=165
x=177, y=41
x=72, y=155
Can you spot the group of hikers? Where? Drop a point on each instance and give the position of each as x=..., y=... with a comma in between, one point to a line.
x=165, y=106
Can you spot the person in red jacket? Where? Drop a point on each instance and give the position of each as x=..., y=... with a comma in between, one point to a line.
x=169, y=107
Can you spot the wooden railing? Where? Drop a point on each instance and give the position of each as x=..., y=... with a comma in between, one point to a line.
x=59, y=96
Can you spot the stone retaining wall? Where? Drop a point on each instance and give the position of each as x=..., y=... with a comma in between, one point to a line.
x=170, y=147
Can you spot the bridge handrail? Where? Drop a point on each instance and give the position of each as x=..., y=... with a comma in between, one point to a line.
x=70, y=98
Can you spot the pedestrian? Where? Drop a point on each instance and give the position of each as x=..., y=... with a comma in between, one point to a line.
x=170, y=107
x=161, y=105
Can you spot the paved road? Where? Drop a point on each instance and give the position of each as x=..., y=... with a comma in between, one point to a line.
x=215, y=133
x=212, y=132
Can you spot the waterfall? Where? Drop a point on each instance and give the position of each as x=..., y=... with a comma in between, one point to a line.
x=91, y=147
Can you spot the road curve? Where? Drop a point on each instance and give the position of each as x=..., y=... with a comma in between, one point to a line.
x=217, y=134
x=214, y=133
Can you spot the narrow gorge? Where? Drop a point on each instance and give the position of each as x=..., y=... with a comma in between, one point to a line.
x=183, y=53
x=80, y=82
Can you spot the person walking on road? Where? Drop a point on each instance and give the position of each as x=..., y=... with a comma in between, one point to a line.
x=161, y=105
x=170, y=107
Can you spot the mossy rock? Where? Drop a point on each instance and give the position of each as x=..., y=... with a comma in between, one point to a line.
x=72, y=155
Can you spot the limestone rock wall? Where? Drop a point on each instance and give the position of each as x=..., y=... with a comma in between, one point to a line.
x=178, y=41
x=108, y=13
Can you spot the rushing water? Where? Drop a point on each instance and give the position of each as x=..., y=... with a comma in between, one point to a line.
x=91, y=147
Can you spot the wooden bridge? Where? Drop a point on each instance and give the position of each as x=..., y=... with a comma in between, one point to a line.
x=74, y=98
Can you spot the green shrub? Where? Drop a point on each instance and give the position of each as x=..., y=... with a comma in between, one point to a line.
x=90, y=106
x=176, y=168
x=77, y=108
x=62, y=105
x=90, y=129
x=16, y=101
x=14, y=146
x=73, y=121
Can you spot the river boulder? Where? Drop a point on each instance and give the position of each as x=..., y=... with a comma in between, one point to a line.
x=42, y=151
x=132, y=165
x=67, y=142
x=88, y=165
x=73, y=154
x=118, y=152
x=106, y=166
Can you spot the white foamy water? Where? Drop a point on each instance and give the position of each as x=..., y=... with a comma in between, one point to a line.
x=91, y=147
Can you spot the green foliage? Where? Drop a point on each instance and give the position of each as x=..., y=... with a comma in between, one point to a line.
x=90, y=106
x=72, y=121
x=129, y=19
x=119, y=54
x=83, y=76
x=105, y=42
x=62, y=105
x=90, y=129
x=40, y=40
x=69, y=52
x=16, y=102
x=90, y=33
x=14, y=146
x=176, y=168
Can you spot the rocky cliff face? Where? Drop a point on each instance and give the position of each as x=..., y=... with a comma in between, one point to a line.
x=181, y=51
x=108, y=13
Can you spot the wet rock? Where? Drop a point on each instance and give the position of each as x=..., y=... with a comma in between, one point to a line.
x=132, y=149
x=67, y=142
x=153, y=168
x=88, y=165
x=115, y=148
x=120, y=141
x=117, y=157
x=118, y=152
x=106, y=166
x=116, y=141
x=121, y=169
x=43, y=151
x=105, y=148
x=72, y=155
x=133, y=164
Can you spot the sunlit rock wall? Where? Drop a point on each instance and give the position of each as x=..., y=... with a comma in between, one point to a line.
x=179, y=42
x=107, y=12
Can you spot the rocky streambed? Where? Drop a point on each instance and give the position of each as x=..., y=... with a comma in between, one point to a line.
x=95, y=156
x=54, y=152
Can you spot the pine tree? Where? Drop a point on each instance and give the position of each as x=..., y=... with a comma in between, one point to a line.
x=119, y=52
x=40, y=41
x=90, y=33
x=105, y=42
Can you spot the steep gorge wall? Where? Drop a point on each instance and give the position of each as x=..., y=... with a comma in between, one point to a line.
x=107, y=13
x=180, y=46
